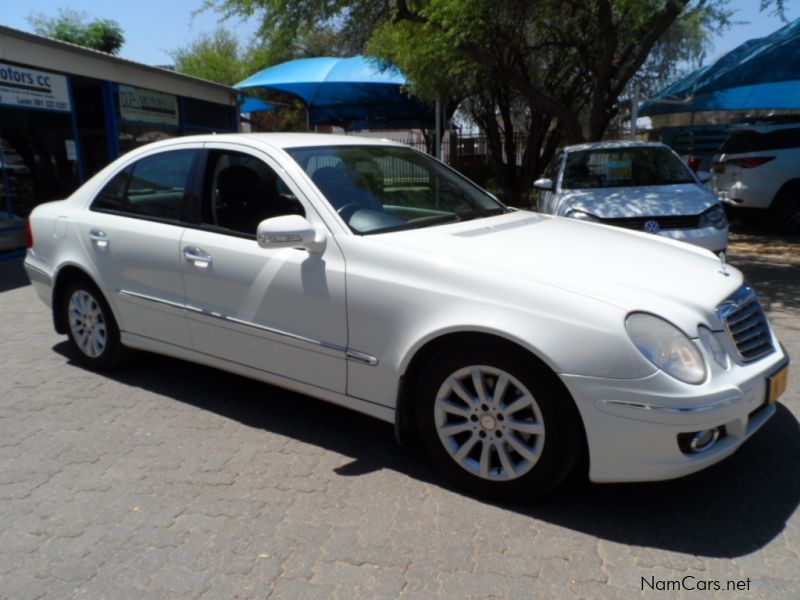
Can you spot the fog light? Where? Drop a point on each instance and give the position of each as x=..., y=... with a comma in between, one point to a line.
x=698, y=441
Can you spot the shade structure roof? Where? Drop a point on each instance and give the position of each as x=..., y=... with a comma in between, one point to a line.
x=349, y=92
x=760, y=74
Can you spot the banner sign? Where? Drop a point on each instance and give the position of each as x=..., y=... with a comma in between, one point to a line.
x=136, y=104
x=28, y=88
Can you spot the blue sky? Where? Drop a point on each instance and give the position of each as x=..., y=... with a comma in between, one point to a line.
x=154, y=27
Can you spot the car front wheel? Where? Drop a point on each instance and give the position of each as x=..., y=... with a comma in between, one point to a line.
x=91, y=328
x=497, y=423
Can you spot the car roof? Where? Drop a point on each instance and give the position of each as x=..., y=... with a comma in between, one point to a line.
x=282, y=140
x=613, y=145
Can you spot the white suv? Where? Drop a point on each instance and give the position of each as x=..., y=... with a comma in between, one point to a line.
x=759, y=168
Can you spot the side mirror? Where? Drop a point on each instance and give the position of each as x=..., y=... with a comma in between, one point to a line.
x=545, y=183
x=704, y=176
x=290, y=231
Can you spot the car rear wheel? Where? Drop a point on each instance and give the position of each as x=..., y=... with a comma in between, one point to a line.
x=497, y=423
x=786, y=211
x=92, y=331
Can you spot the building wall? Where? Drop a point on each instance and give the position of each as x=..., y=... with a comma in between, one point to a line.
x=66, y=112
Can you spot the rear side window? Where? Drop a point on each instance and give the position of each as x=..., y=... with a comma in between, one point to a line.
x=749, y=140
x=154, y=187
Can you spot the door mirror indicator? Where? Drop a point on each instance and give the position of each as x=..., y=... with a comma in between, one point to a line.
x=290, y=231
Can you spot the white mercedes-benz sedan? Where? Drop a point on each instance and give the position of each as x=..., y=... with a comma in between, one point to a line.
x=368, y=274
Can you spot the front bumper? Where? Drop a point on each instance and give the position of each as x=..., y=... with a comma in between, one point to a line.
x=632, y=426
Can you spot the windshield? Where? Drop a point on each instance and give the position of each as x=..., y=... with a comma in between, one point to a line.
x=387, y=188
x=624, y=167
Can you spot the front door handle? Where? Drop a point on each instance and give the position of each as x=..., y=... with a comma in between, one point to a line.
x=99, y=237
x=198, y=257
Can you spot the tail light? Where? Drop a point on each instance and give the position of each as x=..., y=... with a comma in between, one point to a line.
x=28, y=234
x=751, y=162
x=694, y=163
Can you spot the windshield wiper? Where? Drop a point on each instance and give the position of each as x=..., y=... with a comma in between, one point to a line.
x=433, y=220
x=487, y=212
x=414, y=224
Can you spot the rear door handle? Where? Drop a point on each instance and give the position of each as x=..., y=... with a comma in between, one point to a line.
x=99, y=237
x=198, y=257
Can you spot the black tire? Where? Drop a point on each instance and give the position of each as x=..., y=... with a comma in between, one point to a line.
x=559, y=446
x=93, y=335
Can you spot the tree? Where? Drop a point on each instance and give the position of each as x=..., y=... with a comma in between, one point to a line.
x=219, y=57
x=72, y=26
x=554, y=71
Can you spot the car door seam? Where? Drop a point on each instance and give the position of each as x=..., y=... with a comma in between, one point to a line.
x=350, y=354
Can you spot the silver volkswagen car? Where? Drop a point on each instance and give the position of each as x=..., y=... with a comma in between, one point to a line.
x=643, y=186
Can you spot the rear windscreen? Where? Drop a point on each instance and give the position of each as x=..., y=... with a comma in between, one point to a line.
x=749, y=140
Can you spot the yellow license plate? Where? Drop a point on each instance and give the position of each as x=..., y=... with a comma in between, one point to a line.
x=777, y=384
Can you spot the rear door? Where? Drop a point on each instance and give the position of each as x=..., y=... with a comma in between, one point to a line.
x=132, y=236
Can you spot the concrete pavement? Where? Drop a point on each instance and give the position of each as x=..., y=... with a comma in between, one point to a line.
x=169, y=479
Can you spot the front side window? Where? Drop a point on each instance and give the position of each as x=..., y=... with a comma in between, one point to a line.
x=387, y=188
x=153, y=187
x=624, y=167
x=241, y=191
x=551, y=171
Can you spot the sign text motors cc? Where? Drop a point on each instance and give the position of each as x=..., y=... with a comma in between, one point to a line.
x=29, y=88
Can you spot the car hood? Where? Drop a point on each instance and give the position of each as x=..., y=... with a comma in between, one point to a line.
x=647, y=201
x=631, y=270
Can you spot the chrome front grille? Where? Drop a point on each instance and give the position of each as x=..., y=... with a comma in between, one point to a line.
x=746, y=324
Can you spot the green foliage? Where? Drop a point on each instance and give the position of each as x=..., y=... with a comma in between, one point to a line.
x=219, y=57
x=556, y=71
x=72, y=26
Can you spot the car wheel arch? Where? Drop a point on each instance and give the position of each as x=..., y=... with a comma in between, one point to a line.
x=66, y=275
x=404, y=410
x=788, y=192
x=784, y=193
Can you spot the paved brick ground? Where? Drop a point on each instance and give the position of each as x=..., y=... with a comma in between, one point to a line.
x=173, y=480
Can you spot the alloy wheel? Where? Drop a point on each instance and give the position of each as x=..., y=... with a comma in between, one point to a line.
x=489, y=423
x=87, y=323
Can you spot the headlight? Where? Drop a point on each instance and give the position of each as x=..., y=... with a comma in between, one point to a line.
x=581, y=216
x=713, y=346
x=714, y=217
x=666, y=346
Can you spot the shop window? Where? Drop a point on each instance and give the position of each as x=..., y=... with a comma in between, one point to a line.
x=206, y=116
x=133, y=135
x=90, y=115
x=38, y=158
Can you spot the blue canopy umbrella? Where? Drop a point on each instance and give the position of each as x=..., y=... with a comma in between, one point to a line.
x=761, y=73
x=346, y=92
x=248, y=104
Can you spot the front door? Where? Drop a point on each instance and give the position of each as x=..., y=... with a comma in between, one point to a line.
x=281, y=311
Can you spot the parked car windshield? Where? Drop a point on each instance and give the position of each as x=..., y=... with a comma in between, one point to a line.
x=377, y=189
x=624, y=167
